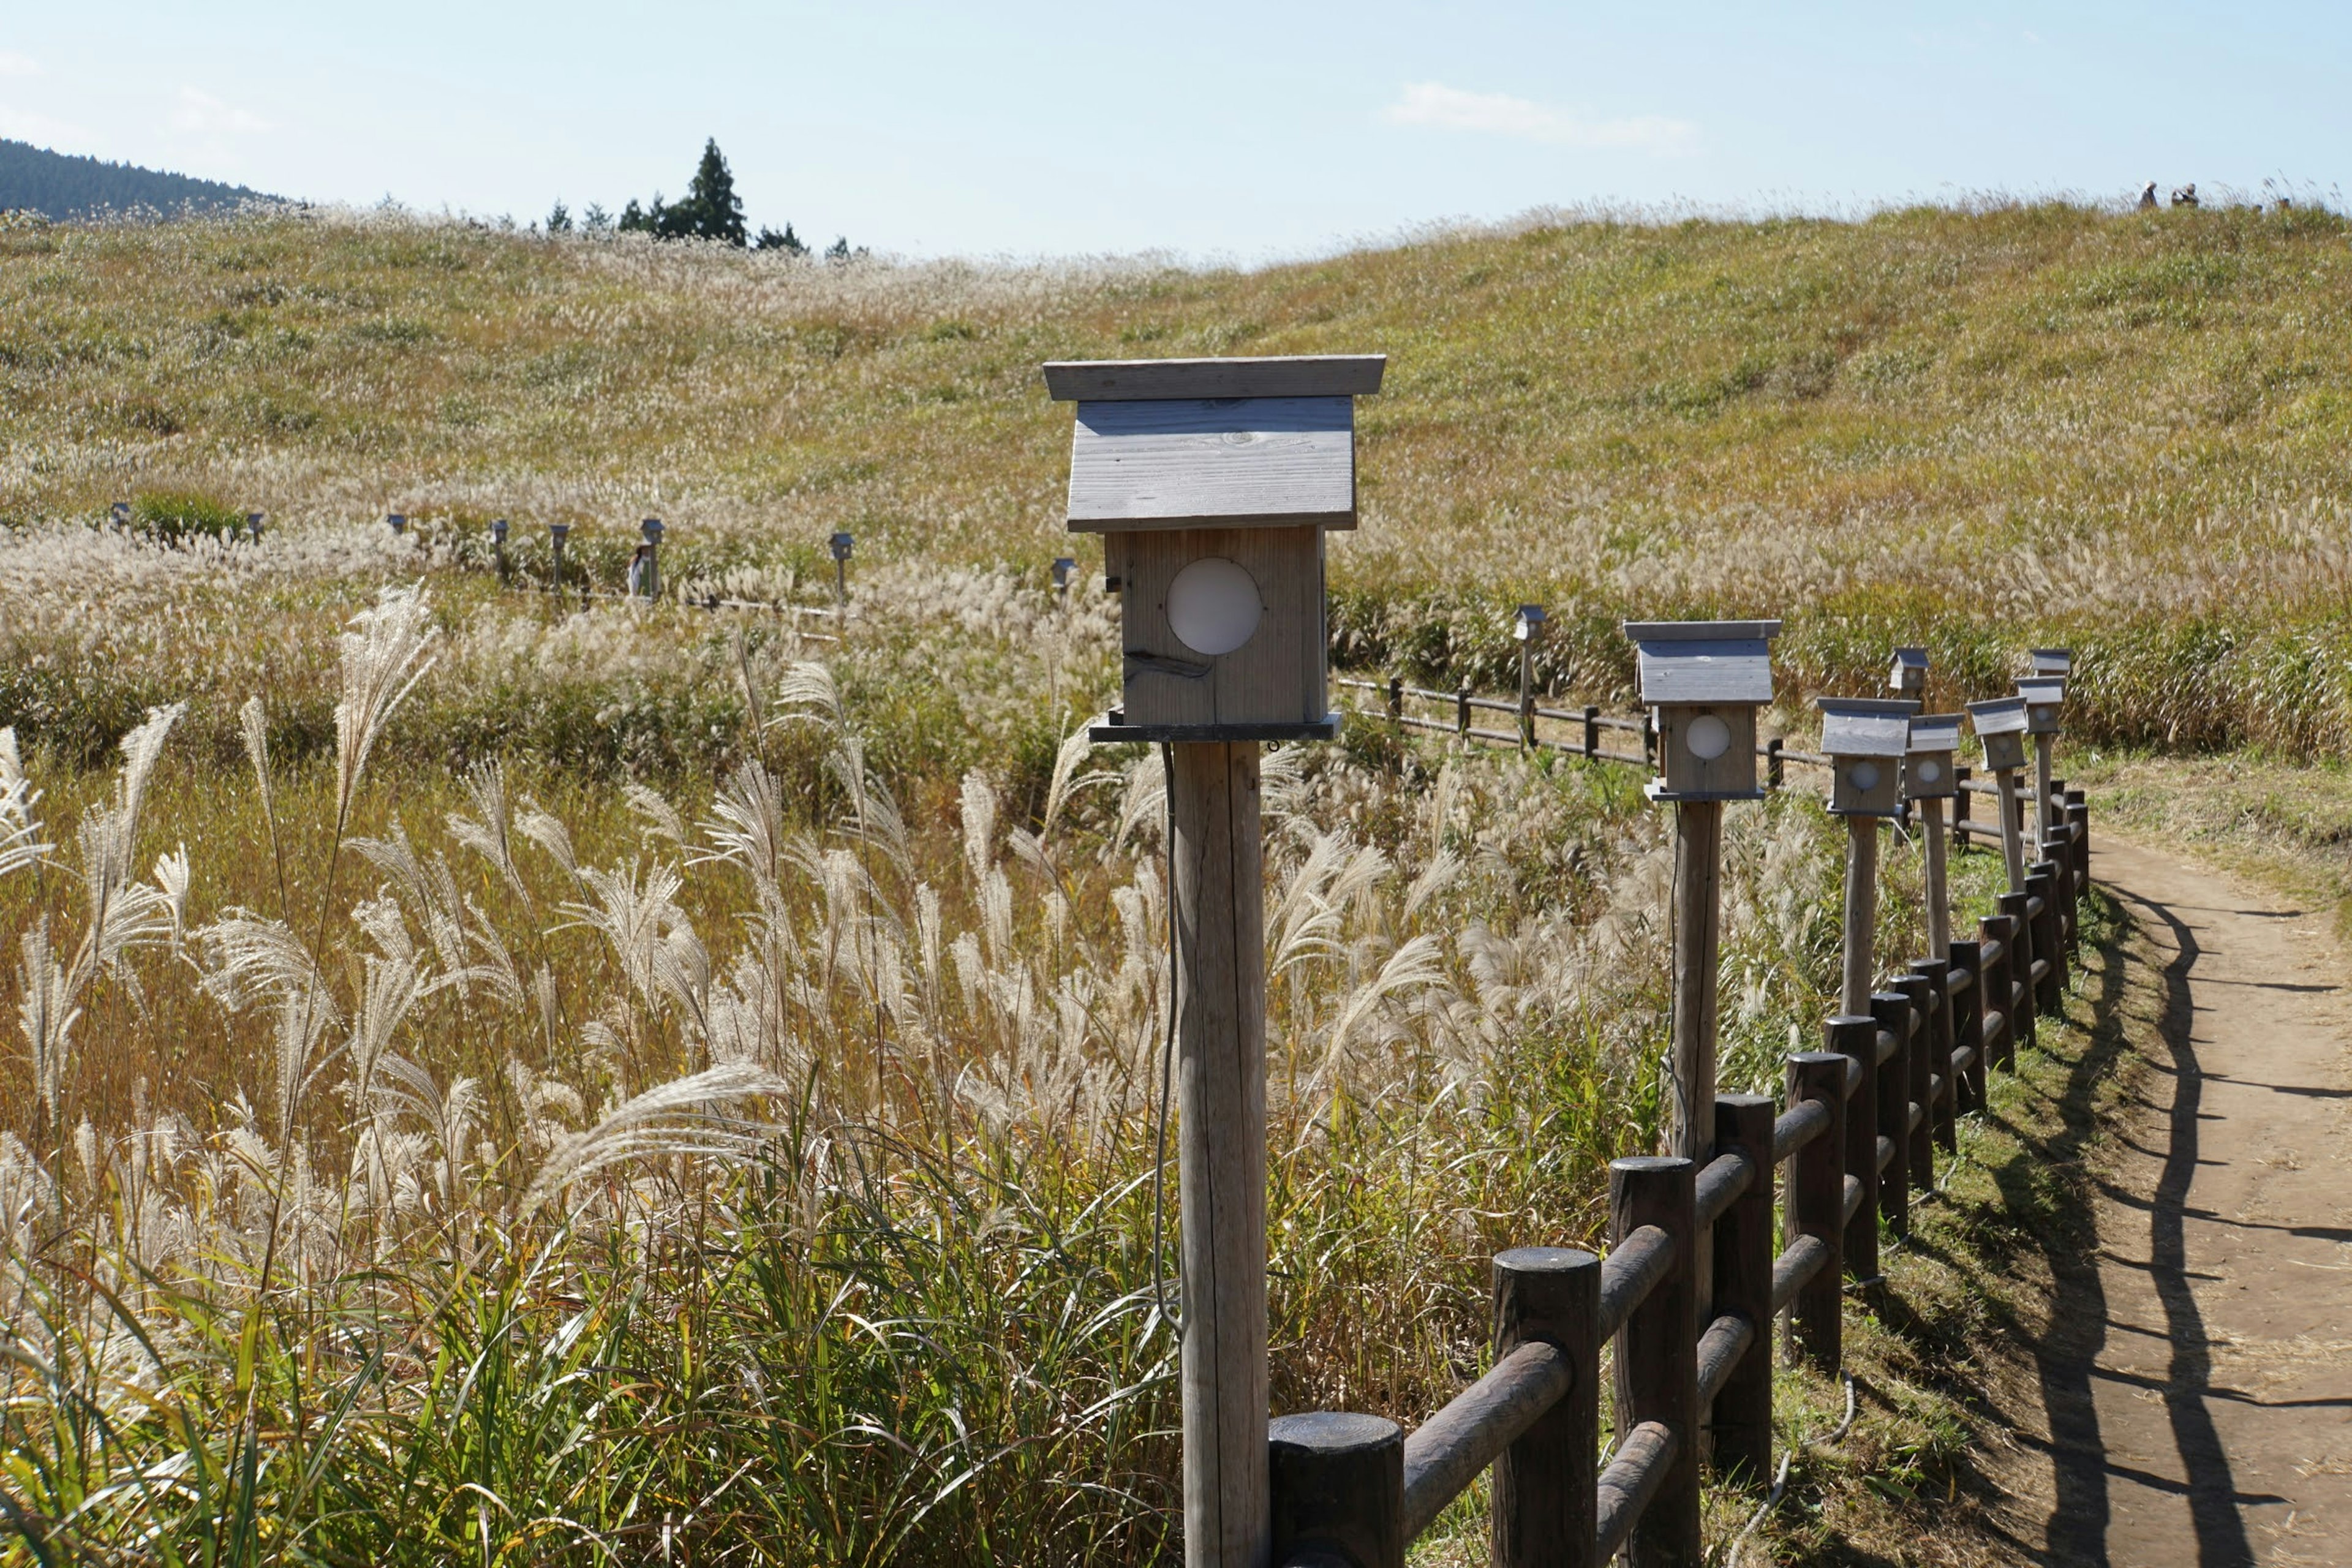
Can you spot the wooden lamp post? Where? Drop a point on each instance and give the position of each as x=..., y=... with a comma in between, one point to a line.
x=1701, y=681
x=1931, y=777
x=1526, y=630
x=842, y=544
x=2045, y=701
x=2001, y=727
x=1211, y=482
x=1865, y=739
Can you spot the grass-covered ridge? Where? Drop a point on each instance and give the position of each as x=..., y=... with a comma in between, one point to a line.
x=1970, y=428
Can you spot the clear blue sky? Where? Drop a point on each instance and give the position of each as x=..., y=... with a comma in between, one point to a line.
x=1246, y=130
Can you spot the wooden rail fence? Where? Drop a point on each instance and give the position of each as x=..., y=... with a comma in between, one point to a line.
x=1858, y=1136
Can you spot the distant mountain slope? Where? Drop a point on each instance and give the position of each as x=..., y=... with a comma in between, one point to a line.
x=62, y=186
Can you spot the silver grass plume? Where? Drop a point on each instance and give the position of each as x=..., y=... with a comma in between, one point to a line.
x=20, y=831
x=383, y=661
x=688, y=1116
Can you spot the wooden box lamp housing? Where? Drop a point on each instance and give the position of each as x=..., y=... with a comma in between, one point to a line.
x=1865, y=739
x=1211, y=482
x=1704, y=681
x=2000, y=726
x=1908, y=675
x=1929, y=766
x=2043, y=696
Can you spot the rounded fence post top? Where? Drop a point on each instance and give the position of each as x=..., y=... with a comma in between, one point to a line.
x=1748, y=1101
x=1890, y=997
x=1334, y=1432
x=1644, y=1163
x=1815, y=1059
x=1544, y=1260
x=1848, y=1020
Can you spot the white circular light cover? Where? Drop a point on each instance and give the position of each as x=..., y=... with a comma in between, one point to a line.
x=1213, y=606
x=1709, y=737
x=1864, y=776
x=1929, y=772
x=2042, y=715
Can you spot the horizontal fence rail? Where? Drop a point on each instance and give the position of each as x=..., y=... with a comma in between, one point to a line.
x=1854, y=1142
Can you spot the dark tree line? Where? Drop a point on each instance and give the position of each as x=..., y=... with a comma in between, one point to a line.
x=709, y=210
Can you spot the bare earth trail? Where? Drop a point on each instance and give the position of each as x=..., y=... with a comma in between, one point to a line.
x=2196, y=1378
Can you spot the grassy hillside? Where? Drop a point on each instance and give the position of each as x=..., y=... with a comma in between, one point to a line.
x=1977, y=429
x=69, y=185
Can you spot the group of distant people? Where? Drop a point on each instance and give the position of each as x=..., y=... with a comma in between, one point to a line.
x=2186, y=196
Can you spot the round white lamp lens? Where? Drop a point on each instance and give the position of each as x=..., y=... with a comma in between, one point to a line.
x=1709, y=737
x=1864, y=776
x=2044, y=715
x=1213, y=606
x=1929, y=772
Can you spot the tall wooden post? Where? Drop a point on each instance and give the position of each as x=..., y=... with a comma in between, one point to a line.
x=1698, y=929
x=1543, y=1509
x=1220, y=1153
x=2012, y=841
x=1817, y=1208
x=1657, y=1356
x=1861, y=912
x=2042, y=815
x=1740, y=1426
x=1939, y=898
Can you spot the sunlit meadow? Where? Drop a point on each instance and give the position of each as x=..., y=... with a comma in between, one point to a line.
x=503, y=1079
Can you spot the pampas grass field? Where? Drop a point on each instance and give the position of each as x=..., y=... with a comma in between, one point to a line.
x=497, y=1080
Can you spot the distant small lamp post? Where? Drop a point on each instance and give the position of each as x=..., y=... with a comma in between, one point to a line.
x=121, y=513
x=1865, y=739
x=2001, y=727
x=1931, y=777
x=1065, y=567
x=2046, y=704
x=498, y=547
x=649, y=580
x=1526, y=630
x=1908, y=675
x=253, y=526
x=396, y=523
x=1702, y=682
x=557, y=532
x=843, y=544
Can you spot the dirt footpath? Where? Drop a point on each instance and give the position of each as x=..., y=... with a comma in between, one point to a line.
x=2197, y=1383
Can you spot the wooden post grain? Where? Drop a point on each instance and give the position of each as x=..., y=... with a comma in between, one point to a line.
x=1854, y=1035
x=2012, y=839
x=1338, y=1491
x=1740, y=1426
x=1861, y=912
x=1543, y=1509
x=1995, y=985
x=1657, y=1356
x=1968, y=1023
x=1817, y=1209
x=1891, y=1011
x=1221, y=1089
x=1938, y=891
x=1698, y=857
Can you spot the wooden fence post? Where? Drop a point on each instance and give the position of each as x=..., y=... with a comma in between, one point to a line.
x=1993, y=990
x=1961, y=804
x=1776, y=774
x=1740, y=1424
x=1657, y=1355
x=1854, y=1035
x=1943, y=1116
x=1543, y=1513
x=1817, y=1208
x=1396, y=701
x=1336, y=1491
x=1891, y=1011
x=2041, y=883
x=1592, y=731
x=1921, y=1146
x=1462, y=710
x=1220, y=1149
x=1697, y=916
x=2021, y=964
x=1967, y=1022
